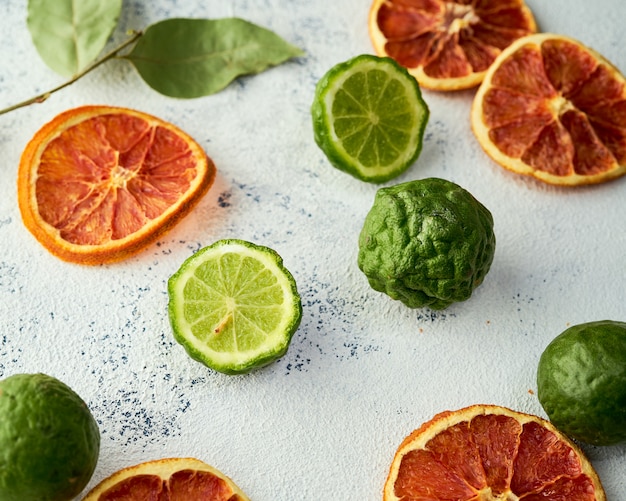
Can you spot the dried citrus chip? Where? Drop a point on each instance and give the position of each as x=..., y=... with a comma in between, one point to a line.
x=490, y=453
x=97, y=184
x=447, y=44
x=167, y=479
x=551, y=108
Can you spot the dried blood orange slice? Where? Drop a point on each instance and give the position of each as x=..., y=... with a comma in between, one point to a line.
x=97, y=183
x=447, y=44
x=171, y=479
x=490, y=453
x=551, y=108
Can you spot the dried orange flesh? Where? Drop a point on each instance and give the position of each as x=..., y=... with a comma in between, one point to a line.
x=552, y=108
x=98, y=183
x=171, y=479
x=447, y=44
x=490, y=453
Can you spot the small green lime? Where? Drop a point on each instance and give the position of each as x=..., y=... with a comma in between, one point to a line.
x=581, y=382
x=49, y=440
x=427, y=242
x=369, y=118
x=234, y=306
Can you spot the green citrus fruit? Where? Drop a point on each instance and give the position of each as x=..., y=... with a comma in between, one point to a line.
x=234, y=306
x=581, y=382
x=369, y=118
x=49, y=440
x=427, y=242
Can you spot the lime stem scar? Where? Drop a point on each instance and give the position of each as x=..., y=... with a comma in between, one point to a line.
x=223, y=323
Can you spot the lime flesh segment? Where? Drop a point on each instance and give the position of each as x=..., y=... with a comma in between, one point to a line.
x=369, y=118
x=234, y=306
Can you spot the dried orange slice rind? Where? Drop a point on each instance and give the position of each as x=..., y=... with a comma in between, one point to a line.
x=490, y=452
x=178, y=478
x=447, y=45
x=98, y=183
x=552, y=108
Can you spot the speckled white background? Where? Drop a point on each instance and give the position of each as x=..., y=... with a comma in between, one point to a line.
x=362, y=371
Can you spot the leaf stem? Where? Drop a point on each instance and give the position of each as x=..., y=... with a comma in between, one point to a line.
x=44, y=96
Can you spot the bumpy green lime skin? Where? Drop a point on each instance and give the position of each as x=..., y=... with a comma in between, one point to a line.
x=581, y=382
x=49, y=440
x=428, y=243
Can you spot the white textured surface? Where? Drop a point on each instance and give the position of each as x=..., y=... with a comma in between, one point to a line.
x=362, y=371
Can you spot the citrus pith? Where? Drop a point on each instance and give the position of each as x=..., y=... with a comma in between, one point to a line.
x=490, y=453
x=98, y=183
x=49, y=440
x=447, y=44
x=552, y=108
x=167, y=480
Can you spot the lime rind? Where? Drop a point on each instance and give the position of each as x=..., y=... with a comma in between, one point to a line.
x=369, y=118
x=581, y=382
x=49, y=439
x=234, y=306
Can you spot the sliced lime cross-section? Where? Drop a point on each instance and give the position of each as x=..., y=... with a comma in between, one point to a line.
x=369, y=118
x=234, y=306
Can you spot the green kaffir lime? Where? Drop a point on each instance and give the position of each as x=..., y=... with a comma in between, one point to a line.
x=49, y=440
x=427, y=242
x=581, y=382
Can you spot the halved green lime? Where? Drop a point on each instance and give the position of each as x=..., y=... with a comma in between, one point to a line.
x=369, y=118
x=234, y=306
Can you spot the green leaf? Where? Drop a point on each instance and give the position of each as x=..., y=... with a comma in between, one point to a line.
x=69, y=34
x=189, y=58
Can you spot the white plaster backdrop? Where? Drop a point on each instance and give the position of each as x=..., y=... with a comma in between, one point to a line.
x=362, y=371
